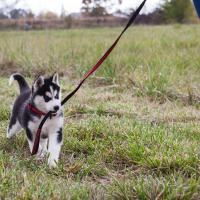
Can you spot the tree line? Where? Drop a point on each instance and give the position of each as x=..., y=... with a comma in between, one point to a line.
x=170, y=11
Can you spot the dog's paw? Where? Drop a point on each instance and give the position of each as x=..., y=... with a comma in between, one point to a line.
x=52, y=163
x=41, y=155
x=8, y=135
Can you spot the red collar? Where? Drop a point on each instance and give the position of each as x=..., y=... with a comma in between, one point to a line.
x=37, y=111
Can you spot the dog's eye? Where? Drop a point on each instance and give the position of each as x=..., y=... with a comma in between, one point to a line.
x=46, y=98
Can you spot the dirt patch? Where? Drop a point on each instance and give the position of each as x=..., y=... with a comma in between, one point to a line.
x=8, y=67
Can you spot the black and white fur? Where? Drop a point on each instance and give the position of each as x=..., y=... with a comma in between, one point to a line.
x=44, y=95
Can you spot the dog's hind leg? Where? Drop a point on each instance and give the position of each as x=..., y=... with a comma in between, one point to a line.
x=14, y=127
x=30, y=138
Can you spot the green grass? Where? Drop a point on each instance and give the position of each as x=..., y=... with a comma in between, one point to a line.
x=132, y=131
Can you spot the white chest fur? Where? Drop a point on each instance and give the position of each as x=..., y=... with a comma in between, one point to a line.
x=51, y=125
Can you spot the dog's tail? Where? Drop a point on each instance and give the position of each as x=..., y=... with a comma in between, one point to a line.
x=23, y=85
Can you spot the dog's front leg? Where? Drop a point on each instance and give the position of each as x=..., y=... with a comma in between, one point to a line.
x=55, y=143
x=42, y=151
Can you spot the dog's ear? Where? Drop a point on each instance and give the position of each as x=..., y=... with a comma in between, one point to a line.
x=55, y=79
x=39, y=82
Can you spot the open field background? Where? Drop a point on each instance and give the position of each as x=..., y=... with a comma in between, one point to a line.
x=132, y=131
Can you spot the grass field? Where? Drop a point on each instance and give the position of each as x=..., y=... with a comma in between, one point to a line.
x=132, y=131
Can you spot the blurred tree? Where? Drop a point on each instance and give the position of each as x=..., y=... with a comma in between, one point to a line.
x=86, y=6
x=97, y=7
x=18, y=13
x=5, y=6
x=178, y=11
x=30, y=14
x=63, y=12
x=3, y=16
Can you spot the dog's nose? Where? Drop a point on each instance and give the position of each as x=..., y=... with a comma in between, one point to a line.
x=56, y=108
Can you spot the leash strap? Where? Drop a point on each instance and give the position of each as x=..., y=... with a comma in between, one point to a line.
x=90, y=72
x=103, y=58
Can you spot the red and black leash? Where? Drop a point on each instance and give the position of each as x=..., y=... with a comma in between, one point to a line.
x=90, y=72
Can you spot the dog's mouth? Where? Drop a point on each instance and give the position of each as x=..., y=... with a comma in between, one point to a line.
x=55, y=109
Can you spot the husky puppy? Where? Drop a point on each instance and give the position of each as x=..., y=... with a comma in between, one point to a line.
x=29, y=109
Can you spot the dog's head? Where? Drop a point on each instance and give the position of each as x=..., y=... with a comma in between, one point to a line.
x=46, y=93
